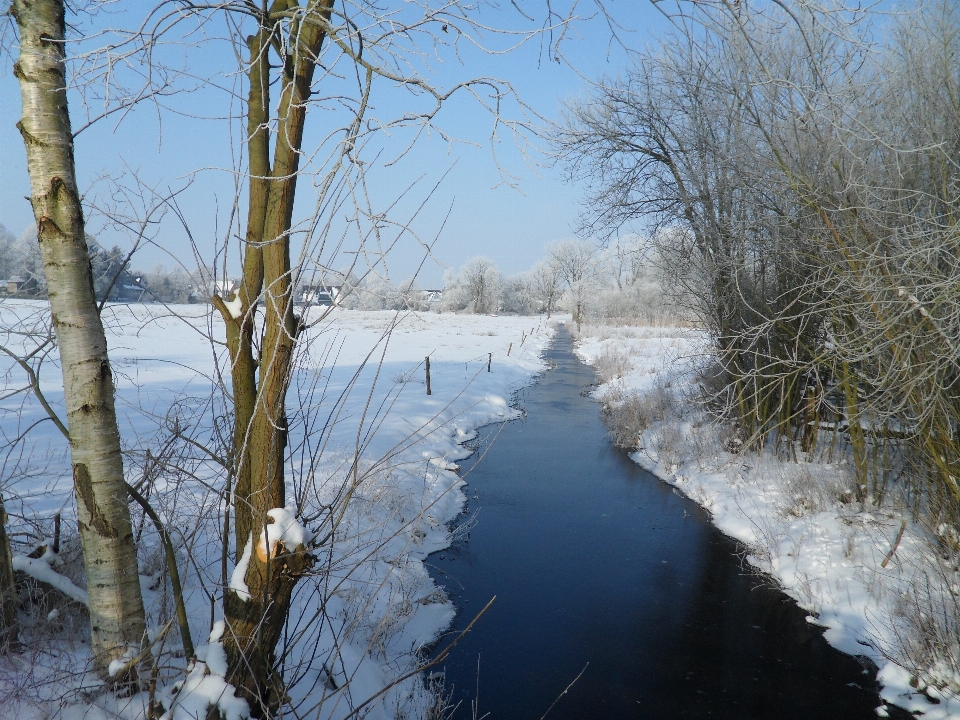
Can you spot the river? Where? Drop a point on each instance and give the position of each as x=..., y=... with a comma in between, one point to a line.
x=603, y=572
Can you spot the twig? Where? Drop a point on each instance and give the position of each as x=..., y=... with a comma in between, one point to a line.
x=896, y=544
x=566, y=690
x=436, y=661
x=172, y=567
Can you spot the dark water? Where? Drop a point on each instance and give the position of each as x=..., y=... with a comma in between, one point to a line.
x=595, y=561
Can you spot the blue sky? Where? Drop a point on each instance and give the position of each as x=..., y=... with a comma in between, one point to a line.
x=509, y=224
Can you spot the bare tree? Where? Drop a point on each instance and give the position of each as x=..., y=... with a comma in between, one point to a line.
x=789, y=159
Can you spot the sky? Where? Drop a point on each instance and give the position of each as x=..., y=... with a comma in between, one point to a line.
x=483, y=196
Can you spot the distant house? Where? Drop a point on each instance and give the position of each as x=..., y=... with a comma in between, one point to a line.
x=128, y=289
x=125, y=288
x=432, y=297
x=318, y=294
x=20, y=285
x=225, y=288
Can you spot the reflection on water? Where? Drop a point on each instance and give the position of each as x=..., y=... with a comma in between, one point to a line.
x=598, y=565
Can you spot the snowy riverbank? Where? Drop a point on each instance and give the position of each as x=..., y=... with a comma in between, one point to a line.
x=797, y=519
x=371, y=606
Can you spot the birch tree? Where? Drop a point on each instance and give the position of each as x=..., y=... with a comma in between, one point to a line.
x=116, y=608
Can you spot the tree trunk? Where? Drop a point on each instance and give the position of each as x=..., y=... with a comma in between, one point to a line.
x=116, y=607
x=255, y=622
x=8, y=587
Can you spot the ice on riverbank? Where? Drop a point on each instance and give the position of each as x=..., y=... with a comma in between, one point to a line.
x=797, y=520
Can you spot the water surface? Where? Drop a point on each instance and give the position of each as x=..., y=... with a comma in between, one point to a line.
x=596, y=564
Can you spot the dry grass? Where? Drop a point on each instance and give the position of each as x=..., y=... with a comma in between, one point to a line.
x=613, y=364
x=810, y=493
x=928, y=630
x=628, y=414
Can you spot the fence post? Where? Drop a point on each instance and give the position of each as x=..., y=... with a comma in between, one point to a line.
x=428, y=374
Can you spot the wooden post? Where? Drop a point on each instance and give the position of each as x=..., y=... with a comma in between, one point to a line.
x=489, y=360
x=428, y=375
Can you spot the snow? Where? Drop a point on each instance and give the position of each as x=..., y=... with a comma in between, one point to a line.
x=380, y=605
x=825, y=553
x=203, y=688
x=41, y=569
x=117, y=665
x=237, y=582
x=235, y=306
x=370, y=606
x=282, y=527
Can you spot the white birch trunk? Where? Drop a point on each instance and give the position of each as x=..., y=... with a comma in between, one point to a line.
x=116, y=607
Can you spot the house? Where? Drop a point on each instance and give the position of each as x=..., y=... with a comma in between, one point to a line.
x=21, y=285
x=128, y=289
x=432, y=298
x=225, y=288
x=120, y=287
x=318, y=294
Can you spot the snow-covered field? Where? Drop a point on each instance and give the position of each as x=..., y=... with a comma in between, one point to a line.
x=796, y=519
x=373, y=606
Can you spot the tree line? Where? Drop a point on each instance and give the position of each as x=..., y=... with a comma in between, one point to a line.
x=113, y=277
x=616, y=282
x=798, y=164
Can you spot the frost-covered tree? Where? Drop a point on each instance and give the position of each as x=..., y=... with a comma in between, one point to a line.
x=576, y=264
x=7, y=241
x=476, y=288
x=544, y=286
x=515, y=297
